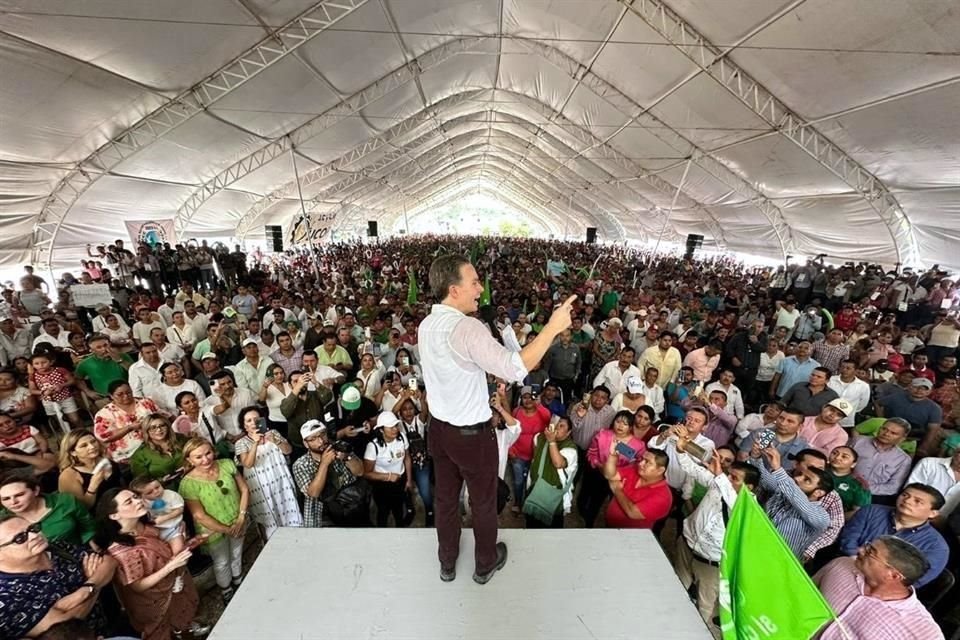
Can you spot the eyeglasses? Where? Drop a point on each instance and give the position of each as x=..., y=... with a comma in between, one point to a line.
x=159, y=426
x=223, y=489
x=23, y=536
x=870, y=551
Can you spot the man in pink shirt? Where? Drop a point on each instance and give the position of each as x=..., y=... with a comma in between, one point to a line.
x=872, y=593
x=823, y=432
x=703, y=361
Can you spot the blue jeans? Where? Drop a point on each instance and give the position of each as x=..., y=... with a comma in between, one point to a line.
x=422, y=478
x=520, y=470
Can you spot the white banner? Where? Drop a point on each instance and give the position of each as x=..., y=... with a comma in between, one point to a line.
x=90, y=295
x=151, y=231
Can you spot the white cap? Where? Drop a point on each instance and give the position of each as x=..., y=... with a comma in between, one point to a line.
x=387, y=419
x=248, y=342
x=634, y=384
x=311, y=428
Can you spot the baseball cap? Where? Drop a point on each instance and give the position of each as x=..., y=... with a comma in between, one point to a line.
x=921, y=382
x=527, y=390
x=642, y=313
x=841, y=405
x=311, y=428
x=634, y=385
x=350, y=398
x=615, y=321
x=209, y=355
x=387, y=419
x=229, y=312
x=248, y=342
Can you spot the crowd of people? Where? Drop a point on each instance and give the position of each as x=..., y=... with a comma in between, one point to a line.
x=221, y=391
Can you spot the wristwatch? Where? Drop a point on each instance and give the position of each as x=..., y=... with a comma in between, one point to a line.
x=91, y=586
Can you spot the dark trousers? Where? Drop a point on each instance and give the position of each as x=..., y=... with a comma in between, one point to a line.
x=389, y=498
x=465, y=455
x=593, y=491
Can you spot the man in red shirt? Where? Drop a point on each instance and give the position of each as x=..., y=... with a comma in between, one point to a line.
x=641, y=495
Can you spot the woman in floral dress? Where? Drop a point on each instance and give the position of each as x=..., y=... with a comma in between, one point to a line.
x=118, y=425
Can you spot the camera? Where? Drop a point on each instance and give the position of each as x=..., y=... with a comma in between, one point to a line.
x=341, y=446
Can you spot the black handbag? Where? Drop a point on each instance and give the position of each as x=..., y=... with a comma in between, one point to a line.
x=350, y=505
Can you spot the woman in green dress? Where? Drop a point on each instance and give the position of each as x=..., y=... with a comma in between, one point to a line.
x=217, y=496
x=161, y=456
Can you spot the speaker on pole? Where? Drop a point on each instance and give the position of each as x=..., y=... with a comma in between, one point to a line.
x=372, y=228
x=274, y=237
x=694, y=242
x=591, y=235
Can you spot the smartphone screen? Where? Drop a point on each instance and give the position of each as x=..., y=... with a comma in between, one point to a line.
x=626, y=451
x=262, y=425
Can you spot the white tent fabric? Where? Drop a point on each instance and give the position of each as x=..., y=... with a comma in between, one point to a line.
x=771, y=127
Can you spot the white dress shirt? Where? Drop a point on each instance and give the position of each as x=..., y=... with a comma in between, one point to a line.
x=456, y=353
x=228, y=420
x=676, y=476
x=60, y=341
x=937, y=473
x=654, y=397
x=614, y=379
x=165, y=395
x=704, y=529
x=143, y=378
x=182, y=336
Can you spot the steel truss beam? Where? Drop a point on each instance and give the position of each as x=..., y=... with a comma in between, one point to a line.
x=759, y=100
x=347, y=107
x=173, y=113
x=580, y=135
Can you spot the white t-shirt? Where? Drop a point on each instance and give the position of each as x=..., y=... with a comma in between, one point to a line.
x=387, y=458
x=172, y=500
x=786, y=318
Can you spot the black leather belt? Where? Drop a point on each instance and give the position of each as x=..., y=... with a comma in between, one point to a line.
x=471, y=430
x=700, y=558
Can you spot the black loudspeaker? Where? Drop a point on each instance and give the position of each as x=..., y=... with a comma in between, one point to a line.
x=591, y=235
x=372, y=228
x=694, y=242
x=275, y=237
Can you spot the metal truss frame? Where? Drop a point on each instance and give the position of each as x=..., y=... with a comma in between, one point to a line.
x=297, y=136
x=764, y=104
x=268, y=51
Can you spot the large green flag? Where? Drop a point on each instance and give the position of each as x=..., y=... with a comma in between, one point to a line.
x=412, y=289
x=764, y=591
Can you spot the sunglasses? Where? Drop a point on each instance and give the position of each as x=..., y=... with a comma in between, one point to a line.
x=223, y=489
x=156, y=427
x=23, y=536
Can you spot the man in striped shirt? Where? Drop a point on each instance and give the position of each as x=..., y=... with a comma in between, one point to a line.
x=873, y=595
x=794, y=506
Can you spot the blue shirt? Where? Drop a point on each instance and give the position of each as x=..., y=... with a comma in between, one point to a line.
x=873, y=521
x=919, y=413
x=793, y=371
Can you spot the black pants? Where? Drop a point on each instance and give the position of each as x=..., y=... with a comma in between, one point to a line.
x=390, y=498
x=593, y=491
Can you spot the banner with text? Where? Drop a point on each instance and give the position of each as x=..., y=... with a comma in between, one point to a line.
x=153, y=232
x=91, y=295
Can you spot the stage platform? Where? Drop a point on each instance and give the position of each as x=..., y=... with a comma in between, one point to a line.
x=571, y=584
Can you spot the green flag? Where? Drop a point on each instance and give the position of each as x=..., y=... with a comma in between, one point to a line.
x=412, y=289
x=485, y=296
x=756, y=563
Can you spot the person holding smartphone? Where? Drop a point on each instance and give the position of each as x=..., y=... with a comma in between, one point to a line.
x=595, y=488
x=261, y=452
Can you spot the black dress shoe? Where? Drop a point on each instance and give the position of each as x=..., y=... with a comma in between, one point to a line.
x=484, y=578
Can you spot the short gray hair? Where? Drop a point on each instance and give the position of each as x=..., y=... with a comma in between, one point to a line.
x=444, y=273
x=905, y=558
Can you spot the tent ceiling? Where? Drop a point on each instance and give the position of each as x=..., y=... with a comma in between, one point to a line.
x=793, y=126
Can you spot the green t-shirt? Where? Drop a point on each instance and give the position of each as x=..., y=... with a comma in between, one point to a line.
x=852, y=493
x=100, y=373
x=67, y=521
x=609, y=301
x=220, y=498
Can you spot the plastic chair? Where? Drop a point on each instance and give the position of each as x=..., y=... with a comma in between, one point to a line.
x=933, y=593
x=870, y=427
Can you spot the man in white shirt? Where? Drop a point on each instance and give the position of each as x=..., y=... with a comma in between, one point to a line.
x=167, y=309
x=457, y=351
x=187, y=294
x=252, y=370
x=943, y=474
x=734, y=396
x=787, y=316
x=145, y=322
x=852, y=389
x=52, y=333
x=99, y=321
x=651, y=391
x=700, y=547
x=168, y=352
x=198, y=321
x=144, y=374
x=637, y=325
x=614, y=374
x=227, y=401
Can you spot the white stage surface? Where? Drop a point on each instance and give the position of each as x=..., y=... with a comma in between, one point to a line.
x=576, y=584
